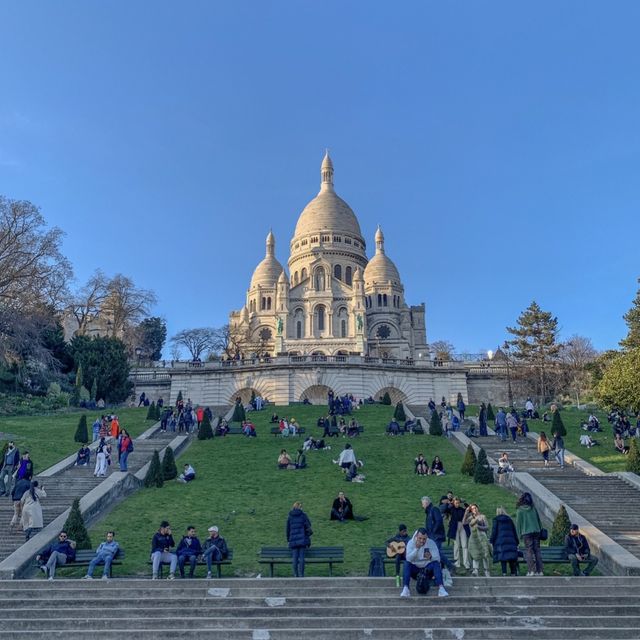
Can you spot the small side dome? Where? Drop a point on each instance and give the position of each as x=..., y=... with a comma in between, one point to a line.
x=380, y=268
x=269, y=269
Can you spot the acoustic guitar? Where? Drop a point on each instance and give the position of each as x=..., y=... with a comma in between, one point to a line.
x=395, y=548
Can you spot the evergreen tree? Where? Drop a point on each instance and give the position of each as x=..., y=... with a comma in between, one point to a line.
x=82, y=434
x=483, y=473
x=557, y=426
x=94, y=390
x=151, y=412
x=75, y=527
x=619, y=385
x=238, y=413
x=253, y=397
x=632, y=318
x=633, y=457
x=399, y=413
x=179, y=398
x=535, y=344
x=158, y=413
x=205, y=432
x=469, y=462
x=491, y=416
x=79, y=376
x=560, y=529
x=154, y=474
x=386, y=398
x=169, y=468
x=435, y=424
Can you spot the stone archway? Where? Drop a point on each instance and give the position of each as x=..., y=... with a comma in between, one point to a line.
x=244, y=394
x=394, y=393
x=315, y=394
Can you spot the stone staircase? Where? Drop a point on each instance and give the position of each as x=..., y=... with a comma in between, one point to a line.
x=321, y=609
x=606, y=500
x=68, y=484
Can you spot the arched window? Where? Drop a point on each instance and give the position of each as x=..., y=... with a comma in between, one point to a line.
x=343, y=328
x=269, y=302
x=320, y=315
x=295, y=278
x=319, y=279
x=379, y=300
x=384, y=300
x=348, y=276
x=263, y=304
x=303, y=275
x=337, y=272
x=298, y=316
x=299, y=329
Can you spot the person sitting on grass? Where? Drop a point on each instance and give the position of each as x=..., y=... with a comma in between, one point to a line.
x=223, y=428
x=248, y=429
x=342, y=509
x=353, y=472
x=619, y=444
x=189, y=548
x=274, y=418
x=188, y=474
x=215, y=549
x=421, y=465
x=587, y=441
x=84, y=456
x=437, y=468
x=284, y=460
x=105, y=553
x=394, y=428
x=301, y=460
x=353, y=429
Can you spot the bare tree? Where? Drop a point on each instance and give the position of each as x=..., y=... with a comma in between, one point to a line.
x=197, y=341
x=31, y=264
x=86, y=304
x=575, y=356
x=441, y=350
x=125, y=304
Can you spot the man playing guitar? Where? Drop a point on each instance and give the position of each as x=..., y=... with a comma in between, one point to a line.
x=396, y=548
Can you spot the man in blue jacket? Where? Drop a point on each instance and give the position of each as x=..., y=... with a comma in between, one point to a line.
x=434, y=524
x=60, y=552
x=105, y=553
x=188, y=550
x=161, y=550
x=578, y=551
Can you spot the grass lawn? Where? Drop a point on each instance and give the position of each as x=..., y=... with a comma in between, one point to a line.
x=240, y=489
x=49, y=438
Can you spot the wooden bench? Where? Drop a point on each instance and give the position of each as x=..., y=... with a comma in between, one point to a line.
x=313, y=555
x=335, y=431
x=233, y=431
x=201, y=562
x=299, y=431
x=85, y=556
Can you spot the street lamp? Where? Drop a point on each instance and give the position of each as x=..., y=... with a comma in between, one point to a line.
x=507, y=347
x=138, y=352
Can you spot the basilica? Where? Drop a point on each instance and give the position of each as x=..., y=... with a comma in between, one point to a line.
x=334, y=300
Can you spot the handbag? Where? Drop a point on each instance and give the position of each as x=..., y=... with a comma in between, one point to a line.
x=544, y=534
x=423, y=581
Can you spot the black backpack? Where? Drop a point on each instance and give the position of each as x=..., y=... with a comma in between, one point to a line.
x=423, y=581
x=376, y=566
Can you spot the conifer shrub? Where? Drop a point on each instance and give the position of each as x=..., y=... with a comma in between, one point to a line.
x=633, y=457
x=82, y=434
x=169, y=468
x=435, y=424
x=179, y=398
x=238, y=413
x=151, y=412
x=491, y=416
x=399, y=413
x=560, y=529
x=557, y=426
x=469, y=463
x=154, y=474
x=386, y=399
x=94, y=389
x=75, y=527
x=483, y=473
x=205, y=432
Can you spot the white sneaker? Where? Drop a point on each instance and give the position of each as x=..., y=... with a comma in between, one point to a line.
x=105, y=577
x=442, y=592
x=405, y=593
x=530, y=573
x=474, y=573
x=154, y=577
x=87, y=578
x=208, y=574
x=50, y=578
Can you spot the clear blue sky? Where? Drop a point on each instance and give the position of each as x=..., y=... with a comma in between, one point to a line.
x=497, y=143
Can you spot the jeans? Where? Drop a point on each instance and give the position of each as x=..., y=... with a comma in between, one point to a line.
x=411, y=571
x=532, y=552
x=55, y=558
x=123, y=460
x=211, y=555
x=575, y=563
x=502, y=432
x=514, y=433
x=101, y=557
x=560, y=457
x=164, y=556
x=6, y=480
x=513, y=567
x=297, y=561
x=183, y=558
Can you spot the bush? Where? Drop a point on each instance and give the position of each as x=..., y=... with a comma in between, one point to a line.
x=399, y=413
x=169, y=468
x=469, y=463
x=82, y=435
x=633, y=458
x=54, y=390
x=154, y=474
x=435, y=424
x=557, y=426
x=386, y=398
x=158, y=413
x=75, y=528
x=94, y=389
x=491, y=416
x=205, y=432
x=83, y=395
x=151, y=412
x=483, y=473
x=238, y=413
x=560, y=529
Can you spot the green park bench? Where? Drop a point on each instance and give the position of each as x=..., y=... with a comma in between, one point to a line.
x=313, y=555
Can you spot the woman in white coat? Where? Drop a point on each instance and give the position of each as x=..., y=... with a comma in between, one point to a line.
x=31, y=518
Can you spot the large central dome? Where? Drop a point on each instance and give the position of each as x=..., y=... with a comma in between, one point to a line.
x=327, y=211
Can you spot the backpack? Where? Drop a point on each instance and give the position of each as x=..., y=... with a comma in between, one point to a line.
x=130, y=446
x=376, y=566
x=423, y=581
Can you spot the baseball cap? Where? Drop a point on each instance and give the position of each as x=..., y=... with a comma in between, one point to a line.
x=212, y=529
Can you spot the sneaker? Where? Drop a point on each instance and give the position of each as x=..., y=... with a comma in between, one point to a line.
x=398, y=581
x=105, y=576
x=442, y=592
x=88, y=577
x=208, y=574
x=43, y=568
x=487, y=574
x=474, y=573
x=530, y=573
x=584, y=573
x=405, y=593
x=50, y=578
x=171, y=576
x=154, y=576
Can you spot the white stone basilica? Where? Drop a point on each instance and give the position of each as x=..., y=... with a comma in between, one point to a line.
x=335, y=301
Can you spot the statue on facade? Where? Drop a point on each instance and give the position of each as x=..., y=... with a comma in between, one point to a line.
x=279, y=326
x=359, y=321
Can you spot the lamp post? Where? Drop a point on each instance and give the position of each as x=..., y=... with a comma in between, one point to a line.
x=138, y=352
x=507, y=348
